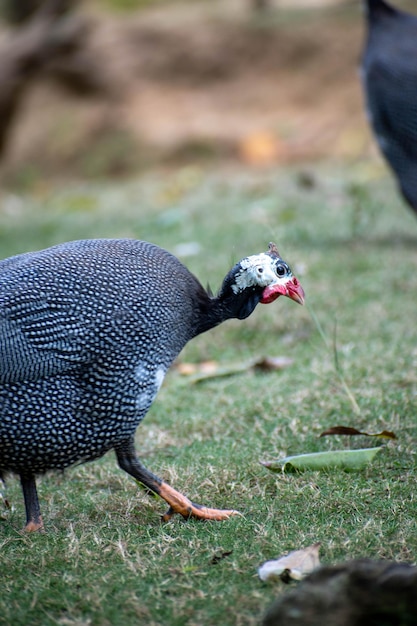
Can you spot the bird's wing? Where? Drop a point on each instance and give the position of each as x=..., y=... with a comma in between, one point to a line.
x=40, y=335
x=391, y=92
x=393, y=110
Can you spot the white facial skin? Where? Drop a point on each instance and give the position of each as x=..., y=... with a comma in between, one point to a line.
x=258, y=270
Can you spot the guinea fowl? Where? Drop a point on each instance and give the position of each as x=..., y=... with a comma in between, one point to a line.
x=389, y=76
x=88, y=331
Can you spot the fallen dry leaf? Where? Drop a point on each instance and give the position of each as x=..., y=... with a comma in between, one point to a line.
x=205, y=367
x=347, y=430
x=196, y=372
x=272, y=363
x=294, y=566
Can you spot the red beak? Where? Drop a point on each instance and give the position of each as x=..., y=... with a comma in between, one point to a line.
x=295, y=291
x=292, y=289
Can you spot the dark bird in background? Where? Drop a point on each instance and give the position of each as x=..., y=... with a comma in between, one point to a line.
x=88, y=330
x=389, y=76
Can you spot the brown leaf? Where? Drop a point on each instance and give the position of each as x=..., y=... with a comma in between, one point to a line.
x=205, y=368
x=186, y=369
x=197, y=372
x=272, y=363
x=385, y=434
x=347, y=430
x=293, y=566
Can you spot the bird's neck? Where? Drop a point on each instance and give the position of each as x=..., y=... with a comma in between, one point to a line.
x=226, y=305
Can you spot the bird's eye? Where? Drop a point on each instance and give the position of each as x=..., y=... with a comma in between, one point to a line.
x=281, y=270
x=260, y=270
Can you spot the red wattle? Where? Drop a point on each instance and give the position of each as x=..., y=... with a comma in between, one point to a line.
x=270, y=294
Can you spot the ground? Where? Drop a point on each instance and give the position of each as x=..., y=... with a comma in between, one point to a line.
x=186, y=85
x=202, y=80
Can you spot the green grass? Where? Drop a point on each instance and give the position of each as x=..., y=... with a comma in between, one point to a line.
x=105, y=558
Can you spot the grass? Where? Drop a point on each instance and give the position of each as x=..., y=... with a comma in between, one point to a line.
x=105, y=558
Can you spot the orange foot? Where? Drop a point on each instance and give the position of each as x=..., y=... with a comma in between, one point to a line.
x=33, y=526
x=183, y=506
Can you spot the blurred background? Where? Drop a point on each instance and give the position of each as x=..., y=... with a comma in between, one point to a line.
x=110, y=88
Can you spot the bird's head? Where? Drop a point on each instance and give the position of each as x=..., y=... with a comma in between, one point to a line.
x=260, y=278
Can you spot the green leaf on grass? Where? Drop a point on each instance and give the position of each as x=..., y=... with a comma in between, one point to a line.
x=343, y=459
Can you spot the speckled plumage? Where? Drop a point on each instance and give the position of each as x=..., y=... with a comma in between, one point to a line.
x=389, y=76
x=88, y=330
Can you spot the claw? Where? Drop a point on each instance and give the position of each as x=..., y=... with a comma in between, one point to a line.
x=34, y=526
x=179, y=504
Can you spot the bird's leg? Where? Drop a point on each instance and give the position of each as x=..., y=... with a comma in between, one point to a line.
x=33, y=512
x=178, y=503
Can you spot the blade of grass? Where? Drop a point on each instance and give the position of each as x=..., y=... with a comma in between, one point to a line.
x=336, y=361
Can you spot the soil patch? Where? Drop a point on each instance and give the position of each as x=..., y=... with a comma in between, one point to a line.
x=195, y=81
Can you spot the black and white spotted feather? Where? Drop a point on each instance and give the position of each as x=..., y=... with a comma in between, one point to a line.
x=389, y=76
x=88, y=330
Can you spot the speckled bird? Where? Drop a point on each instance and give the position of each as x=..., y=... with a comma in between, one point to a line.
x=88, y=330
x=389, y=77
